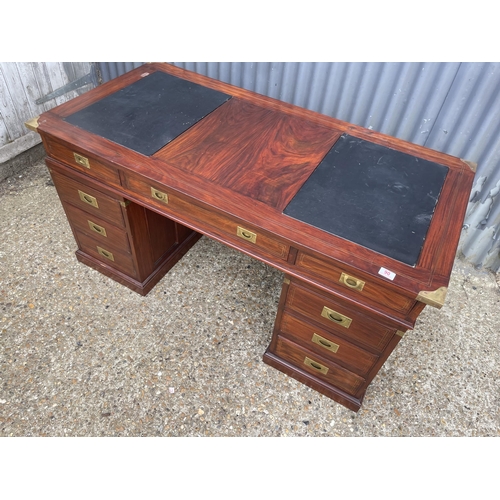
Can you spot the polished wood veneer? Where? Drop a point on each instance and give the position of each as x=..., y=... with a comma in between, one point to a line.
x=230, y=176
x=254, y=151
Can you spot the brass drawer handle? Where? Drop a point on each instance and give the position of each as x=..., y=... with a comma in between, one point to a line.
x=336, y=317
x=81, y=160
x=97, y=228
x=331, y=346
x=246, y=234
x=352, y=282
x=105, y=253
x=158, y=195
x=86, y=198
x=317, y=366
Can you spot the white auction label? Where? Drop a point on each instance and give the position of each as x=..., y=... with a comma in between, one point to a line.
x=386, y=273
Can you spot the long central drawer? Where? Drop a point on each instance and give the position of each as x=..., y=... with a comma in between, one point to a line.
x=210, y=222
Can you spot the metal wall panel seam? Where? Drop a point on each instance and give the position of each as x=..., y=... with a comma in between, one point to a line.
x=442, y=103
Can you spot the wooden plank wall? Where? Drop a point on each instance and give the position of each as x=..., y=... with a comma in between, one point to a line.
x=21, y=84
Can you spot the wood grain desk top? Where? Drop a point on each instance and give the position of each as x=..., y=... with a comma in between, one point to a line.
x=250, y=156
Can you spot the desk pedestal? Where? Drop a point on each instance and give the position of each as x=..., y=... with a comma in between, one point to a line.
x=322, y=341
x=124, y=241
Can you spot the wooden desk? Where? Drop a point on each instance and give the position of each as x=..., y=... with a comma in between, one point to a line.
x=141, y=178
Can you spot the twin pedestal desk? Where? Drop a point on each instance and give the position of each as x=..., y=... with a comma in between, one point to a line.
x=364, y=226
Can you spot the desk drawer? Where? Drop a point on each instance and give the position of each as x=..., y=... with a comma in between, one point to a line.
x=339, y=318
x=80, y=160
x=327, y=345
x=322, y=368
x=99, y=229
x=209, y=221
x=352, y=283
x=86, y=197
x=106, y=253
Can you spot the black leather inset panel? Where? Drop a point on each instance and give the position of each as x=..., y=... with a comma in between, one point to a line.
x=377, y=197
x=149, y=113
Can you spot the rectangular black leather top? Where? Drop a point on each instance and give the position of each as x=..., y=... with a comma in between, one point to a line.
x=372, y=195
x=149, y=113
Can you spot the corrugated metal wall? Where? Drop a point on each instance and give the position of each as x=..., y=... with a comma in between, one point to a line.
x=450, y=107
x=110, y=70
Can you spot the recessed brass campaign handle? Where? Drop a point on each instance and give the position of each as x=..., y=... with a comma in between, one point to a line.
x=105, y=253
x=321, y=341
x=352, y=282
x=81, y=160
x=317, y=366
x=336, y=317
x=86, y=198
x=97, y=228
x=246, y=234
x=158, y=195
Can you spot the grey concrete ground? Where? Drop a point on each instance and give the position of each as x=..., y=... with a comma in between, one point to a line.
x=11, y=166
x=81, y=355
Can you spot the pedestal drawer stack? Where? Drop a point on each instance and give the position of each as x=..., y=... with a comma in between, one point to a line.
x=122, y=240
x=326, y=343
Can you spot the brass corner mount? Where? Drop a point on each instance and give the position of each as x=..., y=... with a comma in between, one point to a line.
x=472, y=165
x=435, y=298
x=32, y=124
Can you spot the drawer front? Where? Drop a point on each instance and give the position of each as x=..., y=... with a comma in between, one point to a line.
x=353, y=284
x=213, y=223
x=328, y=345
x=318, y=366
x=338, y=318
x=97, y=228
x=113, y=257
x=80, y=160
x=87, y=198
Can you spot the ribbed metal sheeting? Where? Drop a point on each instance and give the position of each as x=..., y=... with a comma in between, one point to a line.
x=450, y=107
x=468, y=126
x=110, y=70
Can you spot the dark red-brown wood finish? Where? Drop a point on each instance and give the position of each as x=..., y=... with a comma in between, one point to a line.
x=122, y=240
x=236, y=170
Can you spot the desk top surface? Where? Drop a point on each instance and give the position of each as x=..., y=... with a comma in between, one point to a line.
x=149, y=113
x=349, y=193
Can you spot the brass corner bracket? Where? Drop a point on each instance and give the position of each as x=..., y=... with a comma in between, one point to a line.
x=32, y=124
x=472, y=165
x=435, y=298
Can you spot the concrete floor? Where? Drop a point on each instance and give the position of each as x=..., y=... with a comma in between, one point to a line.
x=81, y=355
